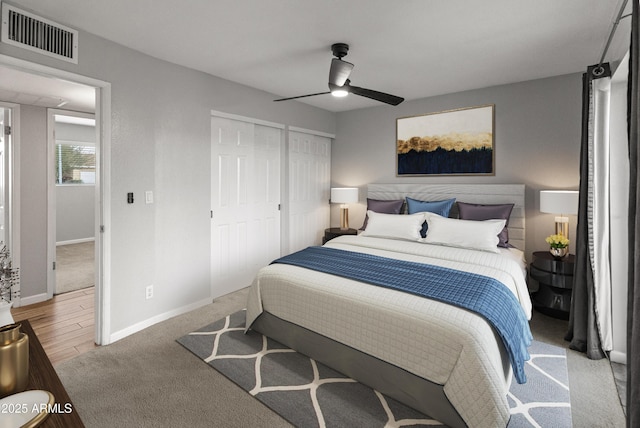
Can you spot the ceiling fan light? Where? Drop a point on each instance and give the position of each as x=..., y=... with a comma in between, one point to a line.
x=339, y=93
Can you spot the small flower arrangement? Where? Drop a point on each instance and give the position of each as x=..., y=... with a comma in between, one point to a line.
x=8, y=275
x=557, y=241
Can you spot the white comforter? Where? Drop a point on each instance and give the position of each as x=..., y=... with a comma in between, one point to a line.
x=436, y=341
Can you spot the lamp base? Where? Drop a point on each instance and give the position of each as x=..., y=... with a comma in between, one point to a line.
x=344, y=217
x=562, y=226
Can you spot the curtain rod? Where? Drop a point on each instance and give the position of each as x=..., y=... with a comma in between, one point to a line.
x=599, y=70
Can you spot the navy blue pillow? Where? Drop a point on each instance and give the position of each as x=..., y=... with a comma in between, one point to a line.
x=441, y=208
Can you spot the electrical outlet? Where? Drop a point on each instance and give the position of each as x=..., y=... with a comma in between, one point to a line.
x=149, y=292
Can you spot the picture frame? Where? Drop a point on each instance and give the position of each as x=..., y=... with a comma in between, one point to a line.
x=451, y=142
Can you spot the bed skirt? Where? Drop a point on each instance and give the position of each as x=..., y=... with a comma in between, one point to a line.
x=411, y=390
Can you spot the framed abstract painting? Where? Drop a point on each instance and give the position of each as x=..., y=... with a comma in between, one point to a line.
x=452, y=142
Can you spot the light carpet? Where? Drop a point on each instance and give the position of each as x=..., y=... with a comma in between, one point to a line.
x=75, y=267
x=307, y=393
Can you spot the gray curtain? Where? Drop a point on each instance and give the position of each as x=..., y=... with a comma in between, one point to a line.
x=583, y=328
x=633, y=311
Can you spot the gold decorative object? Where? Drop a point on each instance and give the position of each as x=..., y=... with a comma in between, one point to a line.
x=26, y=409
x=14, y=360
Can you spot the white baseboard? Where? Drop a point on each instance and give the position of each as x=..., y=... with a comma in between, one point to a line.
x=25, y=301
x=114, y=337
x=618, y=357
x=75, y=241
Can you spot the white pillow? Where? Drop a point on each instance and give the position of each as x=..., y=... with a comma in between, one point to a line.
x=396, y=226
x=472, y=234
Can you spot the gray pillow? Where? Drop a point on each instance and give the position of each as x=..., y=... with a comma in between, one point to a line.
x=488, y=212
x=383, y=207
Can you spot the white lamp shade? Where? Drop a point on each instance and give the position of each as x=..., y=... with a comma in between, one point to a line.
x=344, y=195
x=559, y=201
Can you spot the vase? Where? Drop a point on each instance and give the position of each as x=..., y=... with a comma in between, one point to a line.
x=14, y=360
x=558, y=253
x=5, y=313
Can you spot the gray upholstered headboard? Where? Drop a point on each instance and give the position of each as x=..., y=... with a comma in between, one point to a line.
x=472, y=193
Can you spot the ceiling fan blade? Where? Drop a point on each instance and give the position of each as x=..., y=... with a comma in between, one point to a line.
x=339, y=72
x=375, y=95
x=302, y=96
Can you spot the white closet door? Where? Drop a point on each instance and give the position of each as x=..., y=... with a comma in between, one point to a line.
x=309, y=189
x=245, y=197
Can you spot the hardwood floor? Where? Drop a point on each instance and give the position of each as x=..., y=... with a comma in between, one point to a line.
x=64, y=325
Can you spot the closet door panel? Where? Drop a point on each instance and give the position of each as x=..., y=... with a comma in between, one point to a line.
x=309, y=188
x=245, y=193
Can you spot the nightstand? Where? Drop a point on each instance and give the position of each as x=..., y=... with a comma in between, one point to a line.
x=334, y=232
x=555, y=279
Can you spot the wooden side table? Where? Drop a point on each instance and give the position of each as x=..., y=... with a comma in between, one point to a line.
x=334, y=232
x=555, y=279
x=43, y=376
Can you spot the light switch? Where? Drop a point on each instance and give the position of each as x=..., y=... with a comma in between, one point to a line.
x=148, y=197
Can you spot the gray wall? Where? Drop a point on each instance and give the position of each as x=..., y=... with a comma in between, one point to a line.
x=161, y=142
x=33, y=201
x=75, y=213
x=537, y=143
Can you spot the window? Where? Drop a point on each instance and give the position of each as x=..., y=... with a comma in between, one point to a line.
x=75, y=162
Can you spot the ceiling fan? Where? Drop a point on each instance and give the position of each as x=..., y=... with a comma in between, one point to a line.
x=340, y=85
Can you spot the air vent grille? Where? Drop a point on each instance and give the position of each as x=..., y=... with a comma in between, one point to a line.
x=28, y=31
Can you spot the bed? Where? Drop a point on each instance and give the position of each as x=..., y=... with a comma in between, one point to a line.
x=445, y=361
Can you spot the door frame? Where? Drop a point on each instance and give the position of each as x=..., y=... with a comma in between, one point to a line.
x=12, y=190
x=52, y=202
x=103, y=187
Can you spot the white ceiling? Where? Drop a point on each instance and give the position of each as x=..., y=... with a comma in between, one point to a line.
x=31, y=89
x=409, y=48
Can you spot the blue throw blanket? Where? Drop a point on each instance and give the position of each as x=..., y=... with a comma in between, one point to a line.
x=483, y=295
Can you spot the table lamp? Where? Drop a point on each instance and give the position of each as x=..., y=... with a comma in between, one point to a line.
x=344, y=196
x=560, y=202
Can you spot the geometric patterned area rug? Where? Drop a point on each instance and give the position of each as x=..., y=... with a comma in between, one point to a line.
x=309, y=394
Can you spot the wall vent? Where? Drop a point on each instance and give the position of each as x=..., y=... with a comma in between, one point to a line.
x=29, y=31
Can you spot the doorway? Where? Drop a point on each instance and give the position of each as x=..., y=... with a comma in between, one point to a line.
x=44, y=84
x=72, y=138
